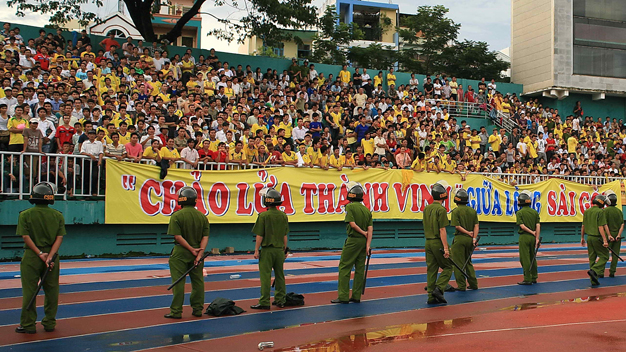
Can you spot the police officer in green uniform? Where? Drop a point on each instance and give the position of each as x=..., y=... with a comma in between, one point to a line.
x=359, y=226
x=465, y=220
x=529, y=228
x=614, y=227
x=435, y=222
x=42, y=229
x=190, y=229
x=594, y=221
x=271, y=229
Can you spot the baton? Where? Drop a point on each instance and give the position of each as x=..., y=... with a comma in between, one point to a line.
x=456, y=265
x=536, y=250
x=43, y=278
x=367, y=268
x=470, y=256
x=188, y=271
x=286, y=251
x=615, y=254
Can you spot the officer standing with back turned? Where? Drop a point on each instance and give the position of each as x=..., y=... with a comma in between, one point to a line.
x=42, y=229
x=529, y=229
x=594, y=221
x=190, y=229
x=271, y=229
x=614, y=227
x=359, y=226
x=465, y=220
x=435, y=222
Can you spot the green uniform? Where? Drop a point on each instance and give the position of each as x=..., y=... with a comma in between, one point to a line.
x=193, y=226
x=273, y=226
x=615, y=220
x=354, y=252
x=527, y=242
x=593, y=218
x=462, y=246
x=435, y=218
x=43, y=225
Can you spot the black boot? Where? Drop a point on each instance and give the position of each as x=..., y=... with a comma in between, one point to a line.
x=258, y=306
x=439, y=295
x=339, y=301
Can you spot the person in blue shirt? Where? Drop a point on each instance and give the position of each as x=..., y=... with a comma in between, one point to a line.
x=361, y=129
x=316, y=127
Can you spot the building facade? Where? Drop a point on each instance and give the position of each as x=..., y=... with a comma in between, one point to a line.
x=571, y=50
x=122, y=26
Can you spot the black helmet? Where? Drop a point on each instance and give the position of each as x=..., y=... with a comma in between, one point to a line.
x=43, y=193
x=272, y=197
x=355, y=193
x=599, y=200
x=611, y=197
x=524, y=199
x=187, y=196
x=461, y=196
x=439, y=192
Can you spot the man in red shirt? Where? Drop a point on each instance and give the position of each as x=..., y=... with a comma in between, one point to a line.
x=205, y=154
x=43, y=59
x=108, y=42
x=64, y=132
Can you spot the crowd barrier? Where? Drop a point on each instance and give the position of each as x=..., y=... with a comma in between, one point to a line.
x=77, y=176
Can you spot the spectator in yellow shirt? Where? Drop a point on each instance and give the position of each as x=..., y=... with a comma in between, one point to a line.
x=344, y=75
x=347, y=160
x=572, y=143
x=494, y=141
x=237, y=154
x=391, y=78
x=289, y=157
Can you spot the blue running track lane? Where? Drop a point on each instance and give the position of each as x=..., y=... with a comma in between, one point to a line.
x=206, y=329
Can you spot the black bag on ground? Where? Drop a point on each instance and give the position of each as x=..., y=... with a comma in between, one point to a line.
x=223, y=306
x=294, y=299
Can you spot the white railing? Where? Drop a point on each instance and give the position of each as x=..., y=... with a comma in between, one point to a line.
x=77, y=176
x=526, y=179
x=460, y=110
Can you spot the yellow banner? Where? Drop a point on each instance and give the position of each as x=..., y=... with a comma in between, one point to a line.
x=135, y=195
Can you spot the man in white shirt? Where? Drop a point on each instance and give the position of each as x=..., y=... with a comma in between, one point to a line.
x=9, y=99
x=300, y=131
x=190, y=155
x=492, y=87
x=94, y=150
x=365, y=77
x=521, y=148
x=380, y=144
x=47, y=130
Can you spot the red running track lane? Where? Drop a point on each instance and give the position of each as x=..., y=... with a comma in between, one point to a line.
x=129, y=320
x=90, y=296
x=146, y=274
x=478, y=326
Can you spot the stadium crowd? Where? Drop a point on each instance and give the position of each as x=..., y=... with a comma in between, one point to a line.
x=135, y=102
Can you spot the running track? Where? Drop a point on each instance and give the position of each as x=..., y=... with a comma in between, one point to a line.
x=118, y=305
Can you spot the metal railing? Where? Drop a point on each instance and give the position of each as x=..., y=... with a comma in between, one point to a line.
x=527, y=179
x=460, y=110
x=78, y=176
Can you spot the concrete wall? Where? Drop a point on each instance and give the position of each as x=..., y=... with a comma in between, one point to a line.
x=86, y=234
x=613, y=107
x=531, y=43
x=564, y=55
x=388, y=36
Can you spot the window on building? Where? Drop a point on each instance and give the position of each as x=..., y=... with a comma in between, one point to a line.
x=304, y=51
x=187, y=41
x=368, y=20
x=118, y=33
x=600, y=38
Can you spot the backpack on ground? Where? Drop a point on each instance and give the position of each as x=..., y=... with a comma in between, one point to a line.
x=294, y=299
x=223, y=306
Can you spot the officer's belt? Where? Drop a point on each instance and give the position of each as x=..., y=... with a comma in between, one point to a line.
x=433, y=239
x=356, y=236
x=594, y=235
x=463, y=234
